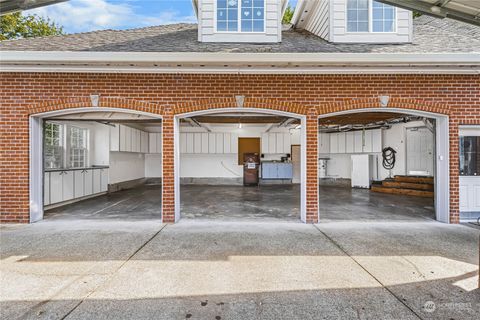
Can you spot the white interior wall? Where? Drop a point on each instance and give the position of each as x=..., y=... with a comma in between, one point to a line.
x=226, y=165
x=126, y=166
x=153, y=165
x=339, y=165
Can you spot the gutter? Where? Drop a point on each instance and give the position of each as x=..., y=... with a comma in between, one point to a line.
x=196, y=62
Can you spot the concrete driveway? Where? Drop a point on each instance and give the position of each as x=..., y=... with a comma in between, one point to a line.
x=67, y=269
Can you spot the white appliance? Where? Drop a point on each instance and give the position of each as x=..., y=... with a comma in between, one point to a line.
x=364, y=170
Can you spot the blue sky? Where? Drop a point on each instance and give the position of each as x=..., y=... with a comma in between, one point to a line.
x=90, y=15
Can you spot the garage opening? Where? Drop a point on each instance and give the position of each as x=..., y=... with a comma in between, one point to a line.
x=240, y=166
x=101, y=165
x=378, y=166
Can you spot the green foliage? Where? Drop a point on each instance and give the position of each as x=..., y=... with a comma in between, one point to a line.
x=15, y=25
x=287, y=17
x=417, y=14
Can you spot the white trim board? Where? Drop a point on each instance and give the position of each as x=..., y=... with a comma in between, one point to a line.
x=442, y=155
x=303, y=139
x=36, y=152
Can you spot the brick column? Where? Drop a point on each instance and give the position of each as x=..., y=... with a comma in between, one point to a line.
x=454, y=171
x=312, y=162
x=168, y=172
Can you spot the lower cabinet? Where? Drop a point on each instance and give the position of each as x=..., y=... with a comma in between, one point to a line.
x=60, y=186
x=277, y=170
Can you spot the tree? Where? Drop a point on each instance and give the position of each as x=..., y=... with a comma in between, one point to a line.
x=287, y=17
x=15, y=26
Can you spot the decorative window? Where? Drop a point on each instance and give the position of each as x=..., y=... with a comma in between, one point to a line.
x=360, y=18
x=469, y=156
x=78, y=147
x=53, y=145
x=241, y=15
x=383, y=17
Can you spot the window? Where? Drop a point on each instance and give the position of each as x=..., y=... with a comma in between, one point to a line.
x=241, y=15
x=469, y=156
x=53, y=145
x=78, y=147
x=357, y=15
x=382, y=16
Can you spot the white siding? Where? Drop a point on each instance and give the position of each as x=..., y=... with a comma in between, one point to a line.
x=207, y=31
x=338, y=29
x=316, y=18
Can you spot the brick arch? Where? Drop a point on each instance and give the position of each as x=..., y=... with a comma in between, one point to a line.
x=105, y=102
x=208, y=104
x=367, y=103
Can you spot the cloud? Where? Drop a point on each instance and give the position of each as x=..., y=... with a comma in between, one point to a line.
x=89, y=15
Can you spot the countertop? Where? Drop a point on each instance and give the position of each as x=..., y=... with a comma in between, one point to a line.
x=76, y=169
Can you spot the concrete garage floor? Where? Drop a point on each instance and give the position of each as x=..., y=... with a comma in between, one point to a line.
x=109, y=269
x=347, y=204
x=266, y=202
x=141, y=203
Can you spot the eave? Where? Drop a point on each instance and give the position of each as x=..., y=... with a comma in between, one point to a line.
x=239, y=63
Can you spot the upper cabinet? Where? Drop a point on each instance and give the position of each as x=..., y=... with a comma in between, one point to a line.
x=240, y=20
x=127, y=139
x=276, y=143
x=368, y=141
x=354, y=21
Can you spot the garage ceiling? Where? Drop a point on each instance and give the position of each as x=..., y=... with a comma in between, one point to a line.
x=363, y=118
x=463, y=10
x=9, y=6
x=111, y=117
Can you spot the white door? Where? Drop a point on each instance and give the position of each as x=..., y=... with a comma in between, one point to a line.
x=296, y=162
x=420, y=151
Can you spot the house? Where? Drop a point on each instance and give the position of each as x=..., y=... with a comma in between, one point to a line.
x=354, y=100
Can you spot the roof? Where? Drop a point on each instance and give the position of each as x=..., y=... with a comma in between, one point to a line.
x=431, y=35
x=9, y=6
x=463, y=10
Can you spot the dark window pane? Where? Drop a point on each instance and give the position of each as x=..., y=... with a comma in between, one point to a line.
x=469, y=156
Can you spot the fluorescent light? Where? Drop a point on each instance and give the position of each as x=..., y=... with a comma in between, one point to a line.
x=239, y=126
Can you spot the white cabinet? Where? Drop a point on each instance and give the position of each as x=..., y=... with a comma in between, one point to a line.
x=276, y=143
x=367, y=141
x=115, y=138
x=46, y=188
x=96, y=181
x=350, y=142
x=68, y=187
x=128, y=139
x=204, y=143
x=144, y=142
x=88, y=182
x=103, y=180
x=56, y=186
x=227, y=143
x=197, y=143
x=212, y=143
x=79, y=183
x=155, y=142
x=358, y=141
x=323, y=143
x=189, y=138
x=218, y=142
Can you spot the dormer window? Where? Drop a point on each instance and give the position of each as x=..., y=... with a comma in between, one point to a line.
x=370, y=16
x=240, y=15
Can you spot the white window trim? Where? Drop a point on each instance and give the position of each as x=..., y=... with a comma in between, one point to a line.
x=370, y=22
x=69, y=148
x=239, y=21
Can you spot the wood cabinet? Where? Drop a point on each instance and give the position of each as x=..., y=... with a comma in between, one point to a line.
x=65, y=185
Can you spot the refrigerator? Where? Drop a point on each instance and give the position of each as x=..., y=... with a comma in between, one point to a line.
x=364, y=170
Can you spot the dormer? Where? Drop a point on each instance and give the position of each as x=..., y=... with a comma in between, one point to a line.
x=354, y=21
x=253, y=21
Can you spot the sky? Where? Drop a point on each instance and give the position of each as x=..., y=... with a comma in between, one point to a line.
x=89, y=15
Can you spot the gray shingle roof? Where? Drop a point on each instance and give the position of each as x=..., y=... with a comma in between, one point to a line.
x=431, y=35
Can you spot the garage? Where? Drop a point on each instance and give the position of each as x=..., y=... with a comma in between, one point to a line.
x=240, y=165
x=378, y=166
x=101, y=165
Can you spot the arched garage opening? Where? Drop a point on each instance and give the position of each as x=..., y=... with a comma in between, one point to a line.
x=240, y=163
x=95, y=163
x=384, y=164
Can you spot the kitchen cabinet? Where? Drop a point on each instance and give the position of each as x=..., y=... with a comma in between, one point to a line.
x=61, y=186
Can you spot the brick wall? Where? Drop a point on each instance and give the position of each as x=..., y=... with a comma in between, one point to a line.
x=23, y=94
